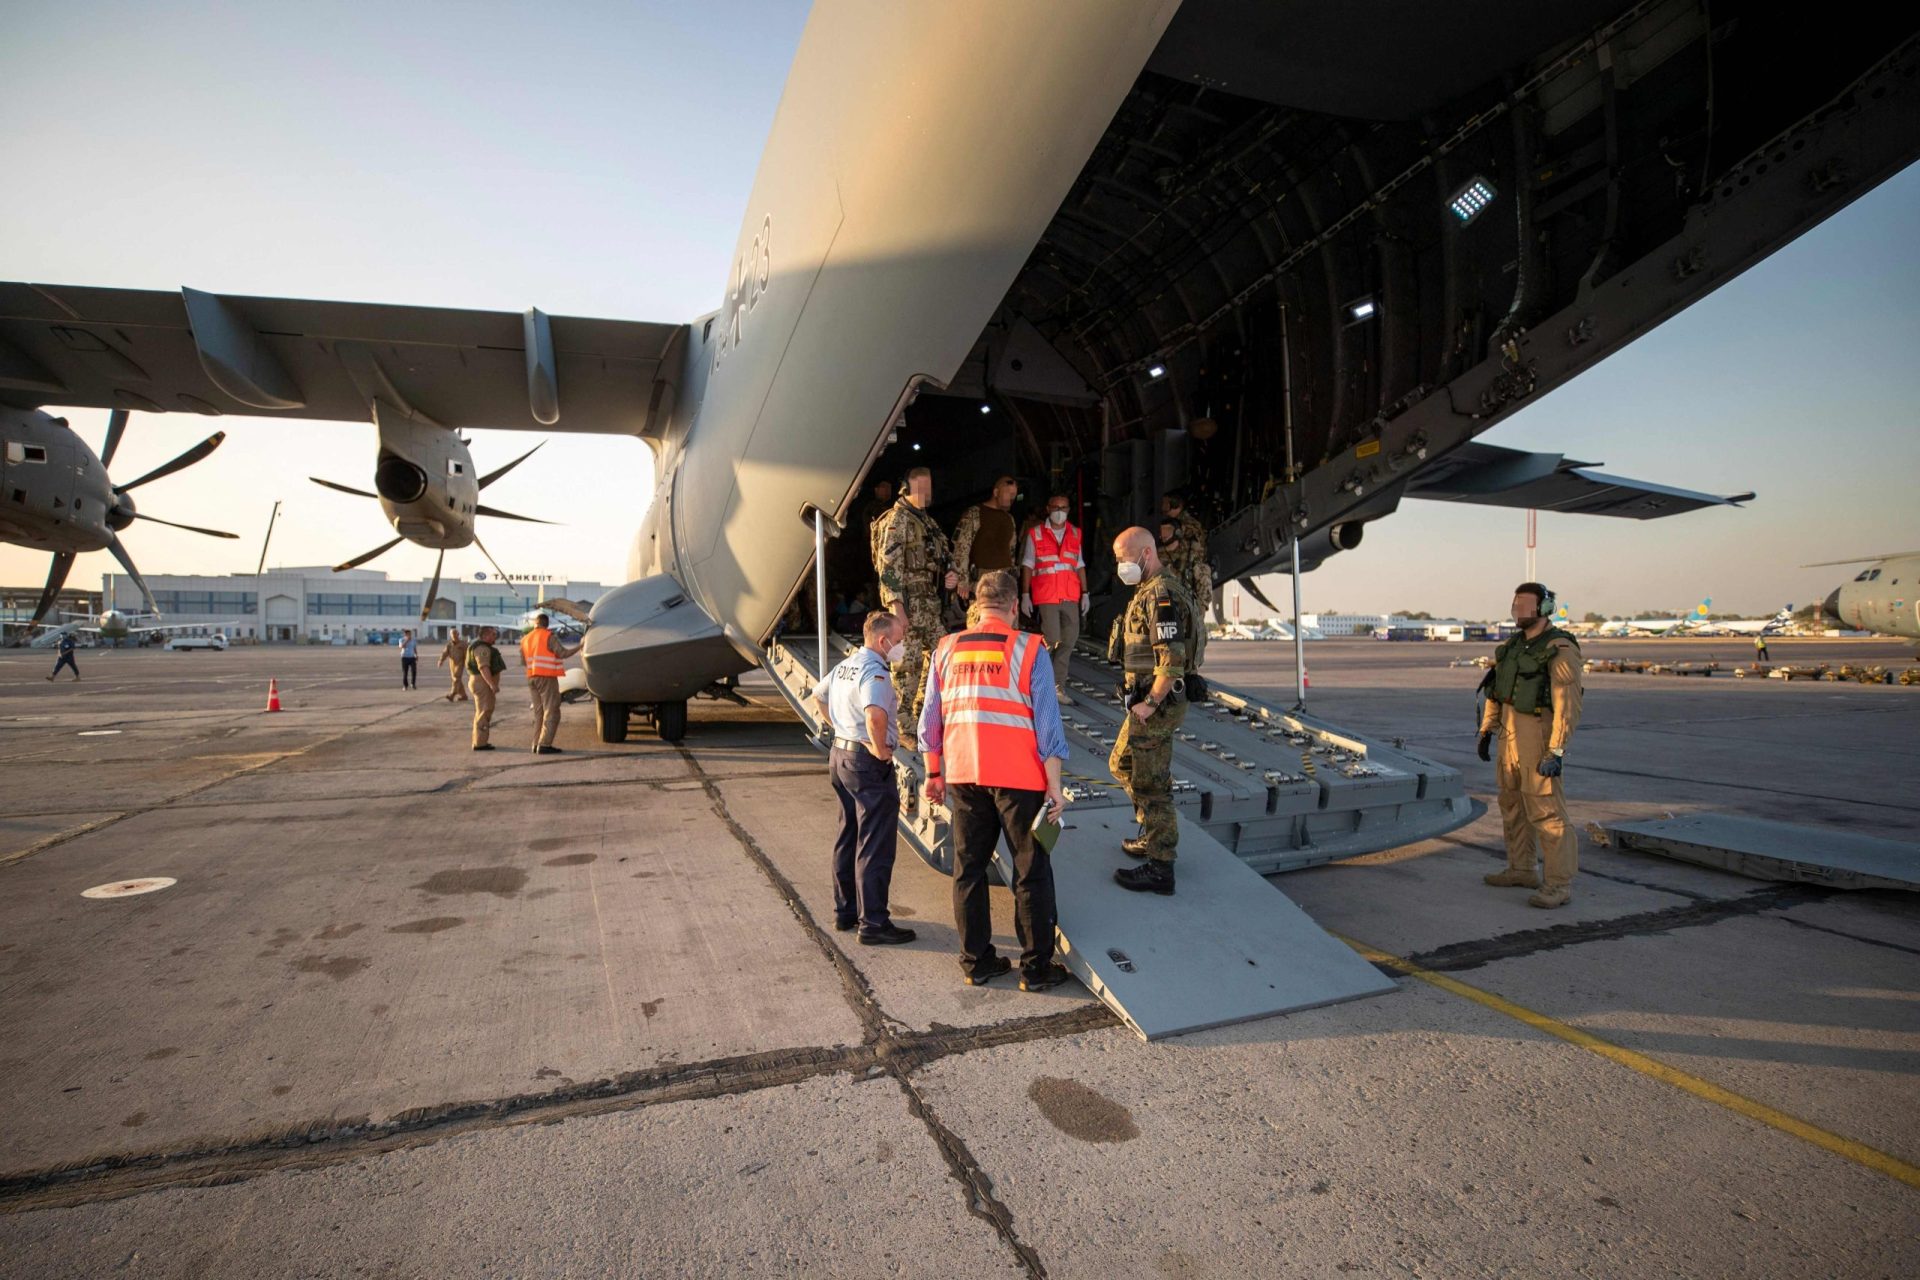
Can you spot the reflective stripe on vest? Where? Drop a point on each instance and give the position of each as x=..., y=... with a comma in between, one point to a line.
x=1056, y=565
x=986, y=709
x=536, y=647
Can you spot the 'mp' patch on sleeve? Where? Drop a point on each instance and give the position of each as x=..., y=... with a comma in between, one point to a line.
x=1166, y=620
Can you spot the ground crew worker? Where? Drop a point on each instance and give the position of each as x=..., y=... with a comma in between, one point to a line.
x=1533, y=703
x=67, y=645
x=542, y=652
x=1760, y=649
x=454, y=658
x=857, y=698
x=409, y=661
x=915, y=564
x=1189, y=561
x=1154, y=644
x=984, y=539
x=485, y=665
x=994, y=753
x=1053, y=576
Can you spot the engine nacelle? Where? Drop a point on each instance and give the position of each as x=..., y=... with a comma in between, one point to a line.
x=424, y=477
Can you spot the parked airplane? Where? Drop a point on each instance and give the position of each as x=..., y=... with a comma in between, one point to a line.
x=1750, y=626
x=55, y=493
x=1363, y=234
x=111, y=624
x=1883, y=597
x=1658, y=626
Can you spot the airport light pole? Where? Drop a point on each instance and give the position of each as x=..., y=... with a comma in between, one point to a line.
x=259, y=570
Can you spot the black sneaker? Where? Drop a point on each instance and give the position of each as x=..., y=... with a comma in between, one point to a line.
x=485, y=746
x=1052, y=976
x=548, y=751
x=891, y=936
x=987, y=970
x=1152, y=876
x=845, y=926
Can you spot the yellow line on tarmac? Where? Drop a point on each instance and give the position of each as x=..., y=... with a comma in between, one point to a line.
x=1859, y=1153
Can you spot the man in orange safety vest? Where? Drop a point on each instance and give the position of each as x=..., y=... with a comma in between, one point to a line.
x=1054, y=574
x=542, y=653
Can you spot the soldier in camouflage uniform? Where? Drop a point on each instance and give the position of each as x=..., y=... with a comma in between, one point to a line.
x=1154, y=642
x=914, y=562
x=1188, y=560
x=985, y=538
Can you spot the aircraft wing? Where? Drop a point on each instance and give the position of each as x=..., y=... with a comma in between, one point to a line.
x=206, y=353
x=1493, y=475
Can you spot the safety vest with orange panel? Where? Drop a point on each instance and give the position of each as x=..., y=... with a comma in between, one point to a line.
x=987, y=732
x=536, y=650
x=1056, y=563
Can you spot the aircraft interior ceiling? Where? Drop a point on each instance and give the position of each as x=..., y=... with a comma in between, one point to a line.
x=1415, y=204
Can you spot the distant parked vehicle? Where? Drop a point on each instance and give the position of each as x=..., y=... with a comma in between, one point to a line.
x=197, y=642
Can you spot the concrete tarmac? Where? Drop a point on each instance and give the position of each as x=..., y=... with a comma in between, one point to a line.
x=410, y=1010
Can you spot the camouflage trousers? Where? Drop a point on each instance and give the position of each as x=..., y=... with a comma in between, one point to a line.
x=1142, y=763
x=924, y=629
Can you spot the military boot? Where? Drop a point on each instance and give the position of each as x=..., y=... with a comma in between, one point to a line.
x=1152, y=876
x=1551, y=896
x=1513, y=877
x=1135, y=846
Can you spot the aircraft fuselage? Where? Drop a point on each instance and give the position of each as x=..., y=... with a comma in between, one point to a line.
x=1883, y=597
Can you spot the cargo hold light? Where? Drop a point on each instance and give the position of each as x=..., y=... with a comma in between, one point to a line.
x=1361, y=309
x=1470, y=201
x=1157, y=371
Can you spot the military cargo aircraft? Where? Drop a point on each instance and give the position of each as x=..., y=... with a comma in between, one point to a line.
x=1291, y=256
x=1883, y=597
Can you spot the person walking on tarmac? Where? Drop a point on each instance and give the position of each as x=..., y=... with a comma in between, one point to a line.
x=409, y=661
x=67, y=646
x=1533, y=704
x=454, y=658
x=915, y=565
x=994, y=751
x=485, y=666
x=1155, y=643
x=1053, y=576
x=857, y=699
x=1760, y=649
x=542, y=652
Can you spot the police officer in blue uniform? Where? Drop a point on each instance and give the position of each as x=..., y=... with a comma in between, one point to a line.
x=859, y=700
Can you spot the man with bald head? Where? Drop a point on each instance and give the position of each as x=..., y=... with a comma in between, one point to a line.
x=1154, y=643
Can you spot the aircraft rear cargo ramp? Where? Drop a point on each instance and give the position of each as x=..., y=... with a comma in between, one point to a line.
x=1256, y=792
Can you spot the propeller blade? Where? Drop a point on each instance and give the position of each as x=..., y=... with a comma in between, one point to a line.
x=329, y=484
x=506, y=515
x=186, y=459
x=491, y=476
x=357, y=561
x=56, y=579
x=126, y=562
x=116, y=427
x=433, y=590
x=496, y=565
x=190, y=528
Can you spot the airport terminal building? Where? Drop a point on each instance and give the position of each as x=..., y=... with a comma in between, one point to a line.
x=314, y=605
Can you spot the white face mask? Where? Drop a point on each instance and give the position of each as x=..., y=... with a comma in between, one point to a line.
x=1056, y=518
x=1131, y=572
x=896, y=653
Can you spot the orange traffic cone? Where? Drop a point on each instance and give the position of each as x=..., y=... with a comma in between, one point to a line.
x=273, y=695
x=1306, y=679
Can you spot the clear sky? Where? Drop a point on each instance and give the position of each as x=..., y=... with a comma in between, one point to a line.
x=595, y=158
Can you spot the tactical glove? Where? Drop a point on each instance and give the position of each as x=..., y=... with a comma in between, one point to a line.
x=1486, y=747
x=1550, y=765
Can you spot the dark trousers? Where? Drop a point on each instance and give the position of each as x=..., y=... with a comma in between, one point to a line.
x=66, y=660
x=981, y=815
x=863, y=847
x=409, y=673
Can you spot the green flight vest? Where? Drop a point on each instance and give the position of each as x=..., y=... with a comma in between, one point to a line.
x=1520, y=676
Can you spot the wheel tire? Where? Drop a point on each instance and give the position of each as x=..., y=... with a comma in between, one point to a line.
x=611, y=719
x=671, y=717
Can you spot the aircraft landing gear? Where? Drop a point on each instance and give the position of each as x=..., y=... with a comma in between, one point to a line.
x=611, y=719
x=671, y=719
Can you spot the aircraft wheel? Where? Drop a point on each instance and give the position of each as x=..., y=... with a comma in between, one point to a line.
x=611, y=719
x=671, y=717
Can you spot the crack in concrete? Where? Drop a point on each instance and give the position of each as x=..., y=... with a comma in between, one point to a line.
x=962, y=1166
x=1458, y=956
